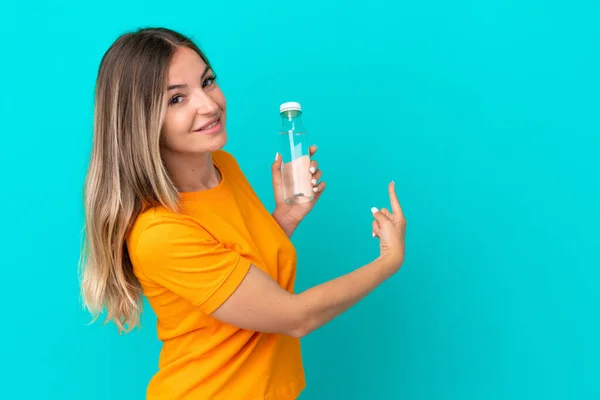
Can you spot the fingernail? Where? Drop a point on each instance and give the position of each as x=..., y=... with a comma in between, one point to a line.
x=314, y=181
x=316, y=189
x=373, y=234
x=276, y=156
x=374, y=210
x=312, y=170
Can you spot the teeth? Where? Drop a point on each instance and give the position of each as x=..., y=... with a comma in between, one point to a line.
x=211, y=125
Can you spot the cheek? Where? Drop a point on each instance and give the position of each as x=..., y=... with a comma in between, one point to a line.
x=176, y=125
x=219, y=98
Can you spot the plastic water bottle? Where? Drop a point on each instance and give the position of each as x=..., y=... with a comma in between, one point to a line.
x=295, y=170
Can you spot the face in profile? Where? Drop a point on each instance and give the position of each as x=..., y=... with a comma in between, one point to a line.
x=195, y=118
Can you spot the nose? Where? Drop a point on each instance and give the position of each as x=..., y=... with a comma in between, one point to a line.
x=203, y=103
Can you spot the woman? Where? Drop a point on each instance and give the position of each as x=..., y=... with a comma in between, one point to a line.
x=170, y=215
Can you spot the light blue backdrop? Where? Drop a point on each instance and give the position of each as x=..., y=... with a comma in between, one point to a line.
x=485, y=113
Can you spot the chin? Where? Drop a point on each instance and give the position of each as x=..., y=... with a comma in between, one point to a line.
x=218, y=141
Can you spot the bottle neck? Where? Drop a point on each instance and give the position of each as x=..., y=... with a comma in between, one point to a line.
x=292, y=121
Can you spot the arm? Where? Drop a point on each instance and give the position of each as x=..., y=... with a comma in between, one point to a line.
x=260, y=304
x=285, y=222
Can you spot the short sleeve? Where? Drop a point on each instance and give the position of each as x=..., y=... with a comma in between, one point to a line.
x=187, y=260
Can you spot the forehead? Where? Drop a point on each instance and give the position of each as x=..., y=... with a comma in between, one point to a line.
x=186, y=64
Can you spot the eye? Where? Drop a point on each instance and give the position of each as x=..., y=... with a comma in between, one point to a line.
x=176, y=99
x=209, y=81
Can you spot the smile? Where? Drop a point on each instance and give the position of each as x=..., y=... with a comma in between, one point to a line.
x=211, y=128
x=211, y=125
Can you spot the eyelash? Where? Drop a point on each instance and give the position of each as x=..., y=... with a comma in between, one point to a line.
x=212, y=78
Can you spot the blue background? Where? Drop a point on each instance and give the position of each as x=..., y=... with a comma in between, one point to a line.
x=485, y=113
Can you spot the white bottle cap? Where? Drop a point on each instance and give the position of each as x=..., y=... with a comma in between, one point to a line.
x=289, y=106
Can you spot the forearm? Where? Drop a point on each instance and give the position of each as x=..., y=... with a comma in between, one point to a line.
x=321, y=304
x=288, y=226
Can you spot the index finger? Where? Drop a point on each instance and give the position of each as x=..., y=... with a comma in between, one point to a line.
x=396, y=208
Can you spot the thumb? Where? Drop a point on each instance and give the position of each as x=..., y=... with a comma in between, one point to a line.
x=380, y=216
x=276, y=178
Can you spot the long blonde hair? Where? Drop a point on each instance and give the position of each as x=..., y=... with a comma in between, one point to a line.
x=126, y=172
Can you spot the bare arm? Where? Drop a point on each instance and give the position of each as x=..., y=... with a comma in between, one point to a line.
x=260, y=304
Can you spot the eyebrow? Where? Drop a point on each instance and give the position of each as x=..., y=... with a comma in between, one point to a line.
x=183, y=85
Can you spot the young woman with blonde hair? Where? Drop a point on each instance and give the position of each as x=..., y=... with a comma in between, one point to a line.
x=170, y=215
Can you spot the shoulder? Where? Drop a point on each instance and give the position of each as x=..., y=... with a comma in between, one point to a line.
x=226, y=162
x=157, y=231
x=225, y=158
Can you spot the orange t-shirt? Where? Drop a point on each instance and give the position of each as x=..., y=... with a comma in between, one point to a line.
x=188, y=264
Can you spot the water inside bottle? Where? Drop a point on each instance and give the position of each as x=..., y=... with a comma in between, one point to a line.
x=296, y=176
x=297, y=186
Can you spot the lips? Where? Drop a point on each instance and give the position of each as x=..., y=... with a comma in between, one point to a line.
x=208, y=125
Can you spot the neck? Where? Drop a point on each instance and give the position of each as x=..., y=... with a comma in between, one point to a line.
x=192, y=172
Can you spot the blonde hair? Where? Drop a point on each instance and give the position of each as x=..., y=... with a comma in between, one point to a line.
x=126, y=172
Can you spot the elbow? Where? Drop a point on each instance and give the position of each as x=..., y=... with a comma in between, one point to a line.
x=298, y=332
x=301, y=326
